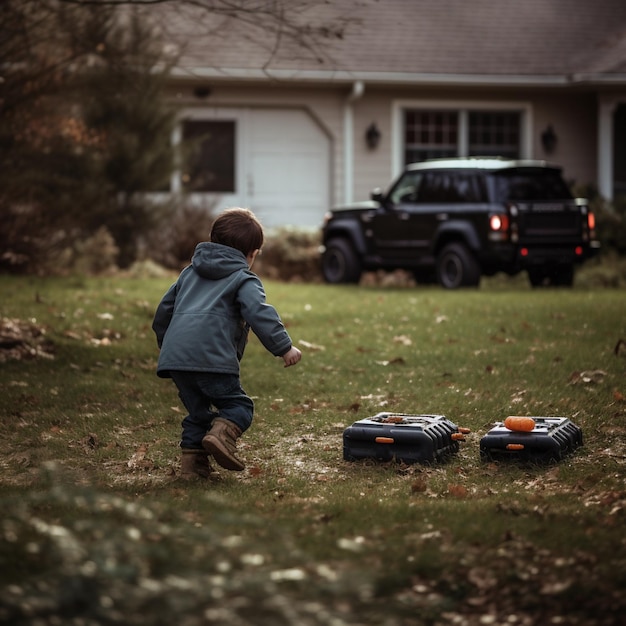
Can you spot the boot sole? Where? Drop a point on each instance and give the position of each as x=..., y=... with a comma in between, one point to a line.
x=221, y=455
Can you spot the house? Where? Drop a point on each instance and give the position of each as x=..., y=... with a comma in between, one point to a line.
x=295, y=129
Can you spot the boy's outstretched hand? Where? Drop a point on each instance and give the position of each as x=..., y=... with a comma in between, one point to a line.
x=292, y=357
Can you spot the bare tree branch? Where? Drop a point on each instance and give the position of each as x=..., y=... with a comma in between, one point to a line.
x=273, y=25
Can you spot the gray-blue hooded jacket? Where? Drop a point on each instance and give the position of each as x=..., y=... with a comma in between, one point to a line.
x=202, y=322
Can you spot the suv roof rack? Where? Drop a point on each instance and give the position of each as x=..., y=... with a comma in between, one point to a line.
x=487, y=163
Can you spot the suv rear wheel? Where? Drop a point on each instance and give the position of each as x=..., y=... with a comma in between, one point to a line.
x=339, y=262
x=457, y=267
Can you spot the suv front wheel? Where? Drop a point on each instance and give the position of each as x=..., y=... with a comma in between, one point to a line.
x=457, y=267
x=339, y=262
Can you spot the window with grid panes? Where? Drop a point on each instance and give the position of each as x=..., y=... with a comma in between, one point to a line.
x=430, y=134
x=493, y=133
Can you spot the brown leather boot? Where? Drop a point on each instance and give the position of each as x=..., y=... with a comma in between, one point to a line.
x=195, y=464
x=221, y=442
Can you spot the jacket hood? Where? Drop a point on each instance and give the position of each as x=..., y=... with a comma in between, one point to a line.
x=215, y=261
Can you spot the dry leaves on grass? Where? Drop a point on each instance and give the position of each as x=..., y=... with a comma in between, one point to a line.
x=105, y=338
x=23, y=339
x=587, y=377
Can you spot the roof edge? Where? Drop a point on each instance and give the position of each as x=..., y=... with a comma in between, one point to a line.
x=398, y=78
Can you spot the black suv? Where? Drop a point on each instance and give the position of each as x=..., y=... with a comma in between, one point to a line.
x=453, y=220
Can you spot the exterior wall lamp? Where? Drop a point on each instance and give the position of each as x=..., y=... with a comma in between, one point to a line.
x=372, y=136
x=202, y=91
x=549, y=139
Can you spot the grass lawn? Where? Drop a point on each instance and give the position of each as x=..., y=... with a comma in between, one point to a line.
x=97, y=528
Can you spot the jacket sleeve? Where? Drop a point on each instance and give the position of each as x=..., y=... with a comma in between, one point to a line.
x=262, y=317
x=163, y=314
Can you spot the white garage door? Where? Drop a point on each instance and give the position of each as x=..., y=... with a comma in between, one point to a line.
x=273, y=161
x=288, y=168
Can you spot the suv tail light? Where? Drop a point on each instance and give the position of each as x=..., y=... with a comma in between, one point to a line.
x=591, y=221
x=499, y=222
x=499, y=225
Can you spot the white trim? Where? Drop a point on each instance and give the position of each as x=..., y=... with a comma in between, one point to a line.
x=606, y=109
x=176, y=139
x=358, y=89
x=240, y=116
x=398, y=106
x=603, y=79
x=413, y=78
x=463, y=139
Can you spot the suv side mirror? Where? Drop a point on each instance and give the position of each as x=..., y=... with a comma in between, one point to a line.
x=377, y=195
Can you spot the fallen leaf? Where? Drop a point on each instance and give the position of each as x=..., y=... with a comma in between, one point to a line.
x=395, y=361
x=555, y=587
x=137, y=457
x=419, y=486
x=311, y=346
x=587, y=377
x=353, y=545
x=458, y=491
x=403, y=339
x=482, y=578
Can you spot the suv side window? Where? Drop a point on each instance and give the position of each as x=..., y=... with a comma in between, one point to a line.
x=470, y=187
x=407, y=188
x=529, y=185
x=452, y=187
x=435, y=187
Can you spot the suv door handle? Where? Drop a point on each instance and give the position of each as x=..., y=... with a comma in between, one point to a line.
x=442, y=217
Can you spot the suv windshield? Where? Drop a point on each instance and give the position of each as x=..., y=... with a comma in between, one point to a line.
x=530, y=184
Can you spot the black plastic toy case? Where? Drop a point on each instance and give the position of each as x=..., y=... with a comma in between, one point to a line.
x=550, y=440
x=402, y=437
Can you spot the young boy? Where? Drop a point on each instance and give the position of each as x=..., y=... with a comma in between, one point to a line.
x=202, y=326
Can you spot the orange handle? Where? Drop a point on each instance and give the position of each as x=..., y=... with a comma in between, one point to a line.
x=515, y=446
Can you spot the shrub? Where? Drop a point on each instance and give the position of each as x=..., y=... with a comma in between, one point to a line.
x=290, y=254
x=610, y=218
x=608, y=270
x=97, y=254
x=171, y=243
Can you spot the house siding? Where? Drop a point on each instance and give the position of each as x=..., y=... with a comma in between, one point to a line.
x=573, y=117
x=324, y=106
x=560, y=61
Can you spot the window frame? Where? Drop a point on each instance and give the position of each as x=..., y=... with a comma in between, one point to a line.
x=463, y=108
x=199, y=154
x=212, y=114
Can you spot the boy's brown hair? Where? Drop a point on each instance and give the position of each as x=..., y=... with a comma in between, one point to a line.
x=239, y=229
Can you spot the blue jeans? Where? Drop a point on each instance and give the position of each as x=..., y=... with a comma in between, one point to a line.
x=207, y=396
